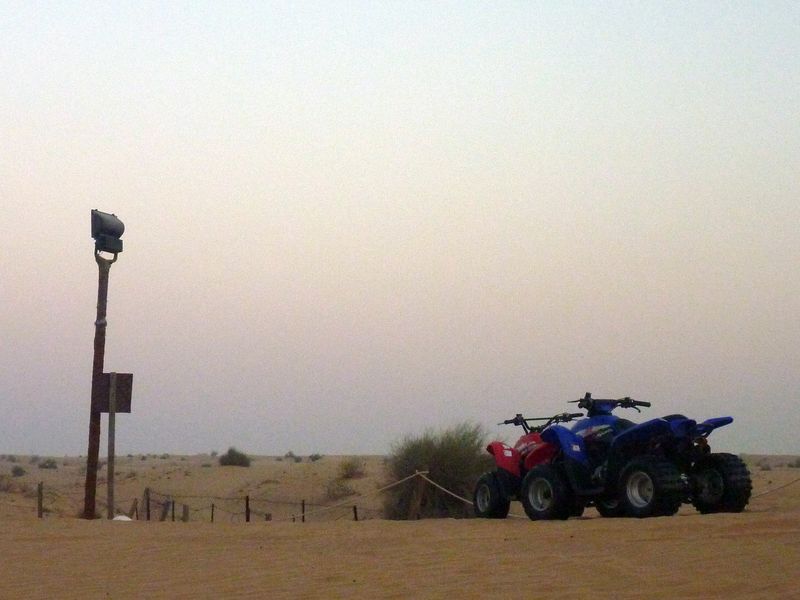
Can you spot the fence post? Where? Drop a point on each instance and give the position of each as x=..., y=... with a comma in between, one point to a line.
x=147, y=502
x=40, y=500
x=415, y=506
x=247, y=509
x=268, y=516
x=355, y=513
x=212, y=512
x=303, y=510
x=134, y=509
x=173, y=510
x=165, y=510
x=185, y=515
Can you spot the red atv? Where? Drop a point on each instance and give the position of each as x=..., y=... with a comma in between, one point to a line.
x=496, y=489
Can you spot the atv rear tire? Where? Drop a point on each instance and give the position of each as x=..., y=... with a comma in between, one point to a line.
x=488, y=500
x=650, y=487
x=720, y=483
x=545, y=495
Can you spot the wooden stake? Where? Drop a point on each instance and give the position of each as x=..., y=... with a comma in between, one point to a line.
x=415, y=506
x=40, y=500
x=134, y=509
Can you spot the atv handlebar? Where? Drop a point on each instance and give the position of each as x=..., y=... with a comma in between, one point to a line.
x=523, y=422
x=588, y=403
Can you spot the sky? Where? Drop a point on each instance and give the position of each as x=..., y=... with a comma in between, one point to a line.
x=350, y=222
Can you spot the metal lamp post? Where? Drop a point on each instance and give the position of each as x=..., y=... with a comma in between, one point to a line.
x=106, y=231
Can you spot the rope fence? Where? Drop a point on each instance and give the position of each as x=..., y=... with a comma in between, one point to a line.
x=155, y=505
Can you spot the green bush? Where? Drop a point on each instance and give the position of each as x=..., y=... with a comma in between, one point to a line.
x=314, y=457
x=337, y=489
x=18, y=471
x=234, y=458
x=454, y=458
x=795, y=464
x=48, y=463
x=351, y=468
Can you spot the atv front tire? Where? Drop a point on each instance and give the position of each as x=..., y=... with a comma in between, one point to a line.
x=488, y=500
x=720, y=483
x=545, y=495
x=650, y=487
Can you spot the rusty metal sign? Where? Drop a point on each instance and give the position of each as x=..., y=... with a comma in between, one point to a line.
x=123, y=392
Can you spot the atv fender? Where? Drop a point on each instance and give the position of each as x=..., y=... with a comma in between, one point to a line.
x=505, y=457
x=641, y=433
x=683, y=427
x=572, y=445
x=710, y=425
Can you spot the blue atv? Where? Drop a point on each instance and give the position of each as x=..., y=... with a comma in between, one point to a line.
x=637, y=470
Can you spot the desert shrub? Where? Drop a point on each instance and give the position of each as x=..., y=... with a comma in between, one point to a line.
x=11, y=458
x=338, y=488
x=795, y=464
x=351, y=468
x=34, y=459
x=234, y=458
x=18, y=471
x=293, y=457
x=314, y=457
x=454, y=458
x=206, y=465
x=48, y=463
x=766, y=466
x=214, y=453
x=6, y=485
x=15, y=487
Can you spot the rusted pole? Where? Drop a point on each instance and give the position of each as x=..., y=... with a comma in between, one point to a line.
x=147, y=502
x=303, y=511
x=40, y=500
x=212, y=512
x=247, y=509
x=103, y=267
x=355, y=513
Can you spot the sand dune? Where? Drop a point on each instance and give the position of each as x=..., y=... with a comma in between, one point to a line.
x=753, y=554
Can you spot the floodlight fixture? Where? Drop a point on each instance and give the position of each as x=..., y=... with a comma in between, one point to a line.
x=107, y=230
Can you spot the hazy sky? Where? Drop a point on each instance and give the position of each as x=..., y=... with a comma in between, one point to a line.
x=347, y=222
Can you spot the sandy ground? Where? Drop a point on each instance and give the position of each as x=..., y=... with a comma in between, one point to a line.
x=755, y=554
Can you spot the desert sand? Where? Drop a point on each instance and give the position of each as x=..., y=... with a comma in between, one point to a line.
x=755, y=554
